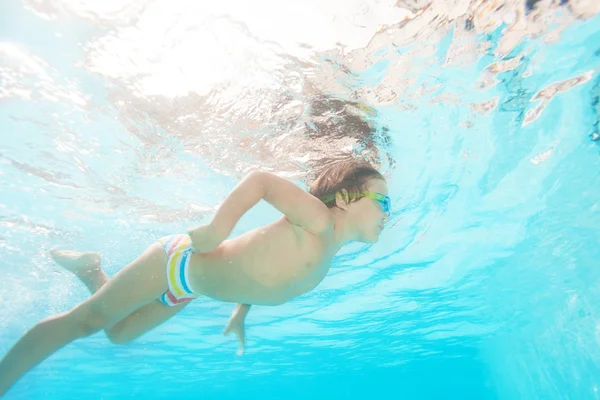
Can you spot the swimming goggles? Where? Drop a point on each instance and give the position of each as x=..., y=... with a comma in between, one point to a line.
x=384, y=201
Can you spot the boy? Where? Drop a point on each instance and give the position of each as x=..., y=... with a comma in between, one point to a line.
x=267, y=266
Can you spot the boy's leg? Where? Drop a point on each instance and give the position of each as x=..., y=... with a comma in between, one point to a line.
x=136, y=285
x=87, y=267
x=141, y=321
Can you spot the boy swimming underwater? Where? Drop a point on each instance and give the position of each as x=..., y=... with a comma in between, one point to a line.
x=266, y=266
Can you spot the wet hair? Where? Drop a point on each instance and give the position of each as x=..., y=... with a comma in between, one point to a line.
x=349, y=175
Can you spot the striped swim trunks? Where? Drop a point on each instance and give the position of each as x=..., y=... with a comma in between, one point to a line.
x=179, y=253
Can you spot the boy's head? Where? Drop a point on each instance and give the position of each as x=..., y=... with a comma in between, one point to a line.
x=360, y=191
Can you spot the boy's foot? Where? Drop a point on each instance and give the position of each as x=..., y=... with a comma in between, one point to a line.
x=78, y=263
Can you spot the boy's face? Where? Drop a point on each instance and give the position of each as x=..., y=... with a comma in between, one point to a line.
x=369, y=215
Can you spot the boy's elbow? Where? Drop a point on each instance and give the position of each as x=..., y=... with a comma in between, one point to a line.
x=254, y=174
x=259, y=178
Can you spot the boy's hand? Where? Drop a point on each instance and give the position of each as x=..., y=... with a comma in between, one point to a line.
x=236, y=326
x=204, y=238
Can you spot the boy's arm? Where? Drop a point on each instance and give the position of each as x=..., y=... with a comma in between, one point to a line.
x=300, y=207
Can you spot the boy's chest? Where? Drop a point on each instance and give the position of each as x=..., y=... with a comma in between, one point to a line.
x=286, y=256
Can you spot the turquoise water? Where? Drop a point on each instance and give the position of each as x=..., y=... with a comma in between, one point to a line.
x=122, y=123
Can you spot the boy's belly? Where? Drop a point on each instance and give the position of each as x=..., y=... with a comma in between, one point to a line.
x=238, y=280
x=232, y=284
x=267, y=266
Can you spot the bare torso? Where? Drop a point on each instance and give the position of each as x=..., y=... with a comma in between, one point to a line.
x=266, y=266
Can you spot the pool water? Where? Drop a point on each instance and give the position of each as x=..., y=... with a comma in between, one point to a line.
x=123, y=121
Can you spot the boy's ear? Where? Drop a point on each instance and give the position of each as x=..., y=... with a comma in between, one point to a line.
x=342, y=199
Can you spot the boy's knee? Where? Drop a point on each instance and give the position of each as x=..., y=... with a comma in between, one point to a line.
x=119, y=340
x=117, y=336
x=89, y=321
x=91, y=324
